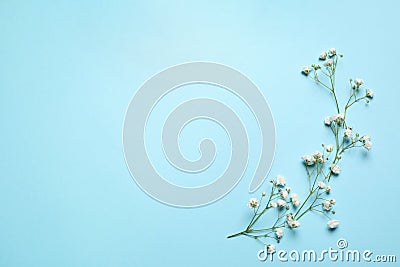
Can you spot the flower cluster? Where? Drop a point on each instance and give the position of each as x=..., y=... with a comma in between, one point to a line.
x=366, y=140
x=253, y=203
x=279, y=196
x=320, y=166
x=336, y=118
x=291, y=221
x=315, y=157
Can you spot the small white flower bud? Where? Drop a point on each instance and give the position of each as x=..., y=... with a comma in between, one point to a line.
x=328, y=62
x=358, y=82
x=306, y=70
x=323, y=56
x=328, y=189
x=369, y=93
x=333, y=224
x=329, y=148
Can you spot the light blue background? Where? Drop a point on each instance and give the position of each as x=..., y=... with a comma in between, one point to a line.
x=68, y=70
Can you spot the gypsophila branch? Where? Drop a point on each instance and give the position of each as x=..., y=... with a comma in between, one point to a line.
x=320, y=166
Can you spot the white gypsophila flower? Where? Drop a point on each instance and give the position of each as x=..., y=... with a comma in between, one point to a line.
x=317, y=154
x=348, y=132
x=308, y=159
x=323, y=56
x=279, y=232
x=321, y=185
x=306, y=70
x=359, y=82
x=332, y=52
x=291, y=221
x=365, y=138
x=335, y=169
x=273, y=204
x=284, y=194
x=327, y=205
x=368, y=145
x=328, y=120
x=329, y=148
x=333, y=224
x=294, y=224
x=328, y=189
x=328, y=62
x=333, y=201
x=289, y=217
x=369, y=93
x=253, y=203
x=270, y=249
x=338, y=117
x=281, y=203
x=295, y=199
x=280, y=180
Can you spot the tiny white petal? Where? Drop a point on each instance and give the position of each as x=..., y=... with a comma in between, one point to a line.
x=333, y=224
